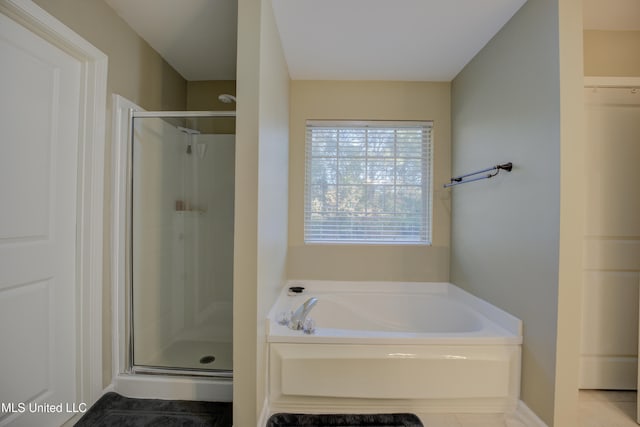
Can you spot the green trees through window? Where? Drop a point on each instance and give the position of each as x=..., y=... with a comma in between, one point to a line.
x=368, y=182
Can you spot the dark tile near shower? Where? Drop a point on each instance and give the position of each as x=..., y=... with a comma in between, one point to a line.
x=114, y=410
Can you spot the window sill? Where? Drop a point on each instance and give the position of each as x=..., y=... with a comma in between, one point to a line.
x=361, y=244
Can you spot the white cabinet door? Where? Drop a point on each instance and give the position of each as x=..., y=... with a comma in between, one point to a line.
x=39, y=116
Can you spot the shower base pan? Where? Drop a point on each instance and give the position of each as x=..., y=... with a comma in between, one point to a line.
x=198, y=355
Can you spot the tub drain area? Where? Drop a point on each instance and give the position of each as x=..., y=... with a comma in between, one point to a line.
x=207, y=359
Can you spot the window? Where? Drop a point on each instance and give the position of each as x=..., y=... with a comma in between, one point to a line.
x=368, y=182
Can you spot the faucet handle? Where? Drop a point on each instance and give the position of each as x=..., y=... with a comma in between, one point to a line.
x=309, y=326
x=284, y=317
x=296, y=325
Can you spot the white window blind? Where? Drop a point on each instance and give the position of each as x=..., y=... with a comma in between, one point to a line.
x=368, y=182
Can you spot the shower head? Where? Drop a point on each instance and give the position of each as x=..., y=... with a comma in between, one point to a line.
x=188, y=131
x=226, y=98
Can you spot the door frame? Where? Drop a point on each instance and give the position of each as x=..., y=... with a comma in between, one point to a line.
x=90, y=187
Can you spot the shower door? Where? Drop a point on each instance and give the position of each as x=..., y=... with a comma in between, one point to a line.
x=182, y=198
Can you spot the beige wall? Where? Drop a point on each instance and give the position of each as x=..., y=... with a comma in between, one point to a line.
x=573, y=189
x=612, y=53
x=245, y=266
x=508, y=246
x=203, y=96
x=136, y=72
x=370, y=100
x=273, y=197
x=262, y=146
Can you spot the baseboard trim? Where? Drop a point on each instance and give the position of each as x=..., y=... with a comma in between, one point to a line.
x=608, y=372
x=523, y=416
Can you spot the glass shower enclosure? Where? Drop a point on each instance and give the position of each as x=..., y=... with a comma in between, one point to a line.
x=181, y=242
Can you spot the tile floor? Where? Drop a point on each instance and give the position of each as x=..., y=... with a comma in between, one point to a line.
x=600, y=408
x=469, y=420
x=597, y=408
x=465, y=420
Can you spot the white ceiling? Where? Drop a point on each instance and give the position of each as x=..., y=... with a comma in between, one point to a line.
x=423, y=40
x=197, y=37
x=615, y=15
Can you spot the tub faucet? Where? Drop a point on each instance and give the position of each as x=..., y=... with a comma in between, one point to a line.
x=300, y=315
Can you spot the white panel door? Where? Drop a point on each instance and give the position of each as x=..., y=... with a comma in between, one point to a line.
x=609, y=345
x=39, y=118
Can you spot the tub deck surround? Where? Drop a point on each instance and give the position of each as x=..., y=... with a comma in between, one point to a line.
x=376, y=312
x=424, y=347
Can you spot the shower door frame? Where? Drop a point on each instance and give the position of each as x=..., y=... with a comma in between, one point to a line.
x=166, y=382
x=131, y=366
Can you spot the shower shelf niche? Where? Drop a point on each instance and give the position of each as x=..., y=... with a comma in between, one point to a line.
x=186, y=207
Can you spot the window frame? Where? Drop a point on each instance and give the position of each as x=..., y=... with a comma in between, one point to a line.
x=426, y=175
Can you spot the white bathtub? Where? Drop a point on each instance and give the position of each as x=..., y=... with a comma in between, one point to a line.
x=424, y=347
